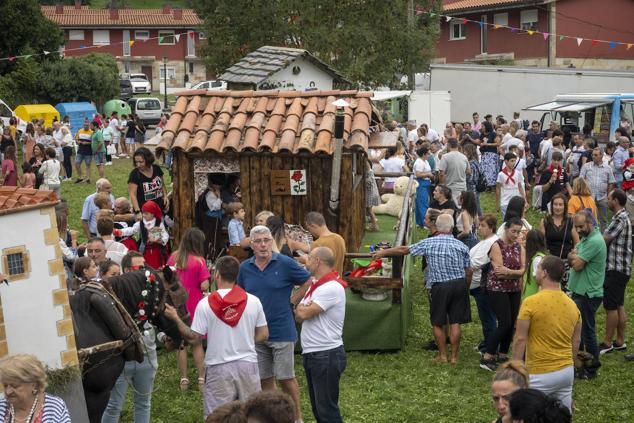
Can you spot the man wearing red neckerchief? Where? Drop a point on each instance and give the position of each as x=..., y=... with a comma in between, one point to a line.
x=321, y=313
x=233, y=322
x=554, y=180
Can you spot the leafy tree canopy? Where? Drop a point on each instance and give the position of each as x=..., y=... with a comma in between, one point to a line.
x=369, y=41
x=25, y=30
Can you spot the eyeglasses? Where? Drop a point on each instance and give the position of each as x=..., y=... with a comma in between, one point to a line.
x=262, y=241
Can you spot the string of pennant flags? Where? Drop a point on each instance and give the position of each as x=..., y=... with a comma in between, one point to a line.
x=190, y=34
x=546, y=35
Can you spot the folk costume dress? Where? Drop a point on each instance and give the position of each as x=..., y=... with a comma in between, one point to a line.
x=154, y=236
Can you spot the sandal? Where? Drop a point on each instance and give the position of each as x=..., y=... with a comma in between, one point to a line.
x=184, y=384
x=201, y=384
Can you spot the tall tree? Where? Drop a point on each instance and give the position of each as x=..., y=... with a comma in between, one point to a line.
x=25, y=30
x=369, y=41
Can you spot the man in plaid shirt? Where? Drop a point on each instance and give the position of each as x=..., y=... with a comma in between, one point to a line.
x=618, y=237
x=449, y=267
x=600, y=177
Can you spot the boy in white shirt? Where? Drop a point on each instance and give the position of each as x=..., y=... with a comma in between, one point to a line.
x=510, y=183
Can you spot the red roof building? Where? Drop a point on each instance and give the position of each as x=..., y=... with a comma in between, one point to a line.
x=149, y=41
x=494, y=41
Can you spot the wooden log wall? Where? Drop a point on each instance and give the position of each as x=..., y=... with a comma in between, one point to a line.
x=183, y=195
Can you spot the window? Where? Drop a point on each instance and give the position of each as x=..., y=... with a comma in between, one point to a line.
x=191, y=49
x=76, y=35
x=202, y=35
x=501, y=19
x=141, y=35
x=126, y=43
x=171, y=72
x=191, y=67
x=167, y=37
x=100, y=37
x=457, y=30
x=15, y=263
x=148, y=105
x=528, y=19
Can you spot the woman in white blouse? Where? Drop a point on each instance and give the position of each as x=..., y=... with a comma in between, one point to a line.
x=394, y=162
x=423, y=173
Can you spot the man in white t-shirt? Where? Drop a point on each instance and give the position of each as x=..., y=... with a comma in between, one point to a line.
x=234, y=320
x=321, y=313
x=116, y=133
x=510, y=183
x=454, y=168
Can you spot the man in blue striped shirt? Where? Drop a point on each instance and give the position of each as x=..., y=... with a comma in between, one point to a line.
x=449, y=269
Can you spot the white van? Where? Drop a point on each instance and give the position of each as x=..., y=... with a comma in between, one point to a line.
x=149, y=109
x=6, y=113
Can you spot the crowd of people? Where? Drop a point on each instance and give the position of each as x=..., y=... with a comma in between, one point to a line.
x=536, y=289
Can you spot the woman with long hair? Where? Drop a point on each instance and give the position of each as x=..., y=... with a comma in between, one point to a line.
x=278, y=231
x=471, y=152
x=508, y=378
x=489, y=149
x=533, y=406
x=423, y=173
x=192, y=270
x=515, y=210
x=393, y=163
x=504, y=288
x=28, y=141
x=535, y=250
x=38, y=157
x=67, y=144
x=84, y=271
x=467, y=219
x=581, y=198
x=9, y=168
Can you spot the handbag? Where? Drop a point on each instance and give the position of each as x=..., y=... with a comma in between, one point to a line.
x=111, y=150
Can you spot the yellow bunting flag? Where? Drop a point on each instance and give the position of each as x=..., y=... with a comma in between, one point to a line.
x=531, y=32
x=496, y=26
x=131, y=43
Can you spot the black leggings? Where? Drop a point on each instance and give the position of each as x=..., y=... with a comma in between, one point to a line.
x=506, y=306
x=68, y=165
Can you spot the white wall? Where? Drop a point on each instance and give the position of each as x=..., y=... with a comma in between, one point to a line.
x=486, y=90
x=302, y=81
x=29, y=314
x=430, y=107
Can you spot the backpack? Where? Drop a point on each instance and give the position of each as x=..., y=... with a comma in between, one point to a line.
x=481, y=182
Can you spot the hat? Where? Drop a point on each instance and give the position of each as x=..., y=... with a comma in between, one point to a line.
x=152, y=207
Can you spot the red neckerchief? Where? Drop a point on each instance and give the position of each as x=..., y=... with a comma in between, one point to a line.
x=229, y=308
x=509, y=176
x=332, y=276
x=560, y=172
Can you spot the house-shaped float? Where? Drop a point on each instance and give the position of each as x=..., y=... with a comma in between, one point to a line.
x=35, y=316
x=282, y=67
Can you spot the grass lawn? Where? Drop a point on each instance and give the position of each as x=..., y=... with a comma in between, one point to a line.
x=403, y=386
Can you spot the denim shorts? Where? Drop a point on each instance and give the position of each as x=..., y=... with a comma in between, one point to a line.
x=100, y=158
x=129, y=141
x=87, y=158
x=276, y=359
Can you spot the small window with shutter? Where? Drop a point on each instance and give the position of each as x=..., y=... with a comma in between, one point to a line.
x=15, y=263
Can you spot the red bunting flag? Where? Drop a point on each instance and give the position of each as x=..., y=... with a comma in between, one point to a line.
x=419, y=11
x=12, y=58
x=595, y=42
x=191, y=34
x=465, y=20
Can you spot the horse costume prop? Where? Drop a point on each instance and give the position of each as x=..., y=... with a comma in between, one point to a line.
x=109, y=319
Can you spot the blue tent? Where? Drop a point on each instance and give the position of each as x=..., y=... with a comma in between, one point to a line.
x=77, y=112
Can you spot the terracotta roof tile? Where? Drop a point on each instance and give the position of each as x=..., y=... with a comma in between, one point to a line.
x=13, y=199
x=465, y=5
x=85, y=16
x=276, y=121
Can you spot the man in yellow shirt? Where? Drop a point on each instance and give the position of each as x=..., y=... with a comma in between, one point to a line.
x=548, y=330
x=316, y=225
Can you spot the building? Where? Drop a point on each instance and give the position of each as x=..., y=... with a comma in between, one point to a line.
x=35, y=315
x=149, y=41
x=284, y=68
x=494, y=43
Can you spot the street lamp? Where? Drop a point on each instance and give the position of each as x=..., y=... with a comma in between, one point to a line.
x=165, y=83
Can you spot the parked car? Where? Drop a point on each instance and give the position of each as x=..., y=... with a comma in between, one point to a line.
x=6, y=113
x=140, y=83
x=125, y=89
x=214, y=85
x=149, y=109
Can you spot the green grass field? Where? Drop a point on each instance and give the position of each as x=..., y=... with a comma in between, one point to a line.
x=403, y=386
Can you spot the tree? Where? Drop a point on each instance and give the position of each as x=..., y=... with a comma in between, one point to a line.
x=369, y=41
x=25, y=30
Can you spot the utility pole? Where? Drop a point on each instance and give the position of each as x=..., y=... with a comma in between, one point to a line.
x=411, y=77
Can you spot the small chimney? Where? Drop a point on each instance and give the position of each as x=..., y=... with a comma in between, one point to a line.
x=178, y=14
x=59, y=9
x=167, y=9
x=114, y=14
x=77, y=4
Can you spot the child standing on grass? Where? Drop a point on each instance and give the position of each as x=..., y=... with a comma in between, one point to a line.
x=9, y=170
x=236, y=225
x=28, y=176
x=154, y=236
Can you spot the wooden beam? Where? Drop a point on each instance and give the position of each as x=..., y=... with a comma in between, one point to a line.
x=375, y=282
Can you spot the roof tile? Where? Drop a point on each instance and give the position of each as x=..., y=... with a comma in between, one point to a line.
x=277, y=121
x=460, y=5
x=14, y=198
x=85, y=16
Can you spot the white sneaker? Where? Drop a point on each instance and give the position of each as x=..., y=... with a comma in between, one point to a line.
x=114, y=156
x=108, y=163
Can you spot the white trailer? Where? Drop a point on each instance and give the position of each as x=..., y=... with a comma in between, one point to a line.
x=430, y=107
x=502, y=90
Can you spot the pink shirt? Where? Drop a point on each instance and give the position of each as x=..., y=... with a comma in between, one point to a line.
x=10, y=180
x=192, y=277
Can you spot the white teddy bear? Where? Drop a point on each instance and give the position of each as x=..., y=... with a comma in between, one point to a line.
x=393, y=203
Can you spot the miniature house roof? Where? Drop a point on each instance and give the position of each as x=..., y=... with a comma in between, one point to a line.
x=14, y=199
x=274, y=121
x=257, y=66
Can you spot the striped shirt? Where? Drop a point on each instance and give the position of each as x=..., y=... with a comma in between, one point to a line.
x=598, y=177
x=54, y=410
x=446, y=258
x=620, y=248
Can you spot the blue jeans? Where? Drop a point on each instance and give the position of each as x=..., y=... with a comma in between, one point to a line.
x=142, y=377
x=485, y=313
x=588, y=308
x=422, y=200
x=323, y=371
x=477, y=196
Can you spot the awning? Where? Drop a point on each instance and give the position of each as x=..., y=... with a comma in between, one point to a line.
x=567, y=106
x=388, y=95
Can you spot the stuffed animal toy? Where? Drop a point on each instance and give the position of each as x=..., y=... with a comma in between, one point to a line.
x=393, y=203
